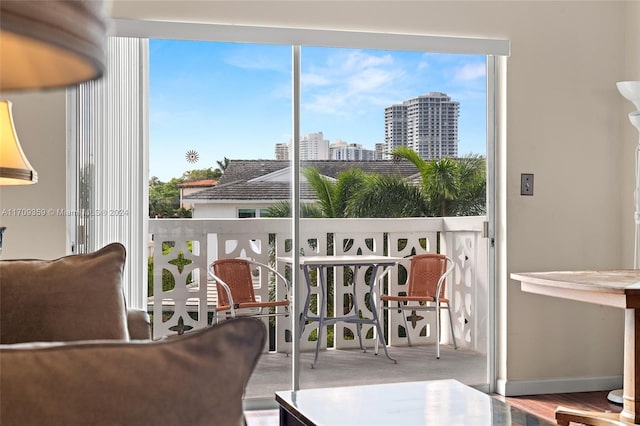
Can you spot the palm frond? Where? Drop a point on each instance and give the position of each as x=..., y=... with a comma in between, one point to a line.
x=387, y=196
x=325, y=190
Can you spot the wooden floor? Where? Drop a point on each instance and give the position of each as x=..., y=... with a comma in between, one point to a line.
x=545, y=405
x=541, y=405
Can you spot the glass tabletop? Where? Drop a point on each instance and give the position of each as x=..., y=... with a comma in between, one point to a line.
x=437, y=402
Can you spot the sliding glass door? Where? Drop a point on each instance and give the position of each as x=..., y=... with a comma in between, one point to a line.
x=271, y=151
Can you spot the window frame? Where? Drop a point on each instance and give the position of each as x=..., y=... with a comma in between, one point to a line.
x=496, y=51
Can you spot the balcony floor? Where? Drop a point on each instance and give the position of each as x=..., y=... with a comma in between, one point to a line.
x=353, y=367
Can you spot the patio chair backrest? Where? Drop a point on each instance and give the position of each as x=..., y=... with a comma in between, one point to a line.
x=424, y=273
x=236, y=273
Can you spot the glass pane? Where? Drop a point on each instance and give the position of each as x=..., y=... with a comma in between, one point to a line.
x=227, y=106
x=388, y=135
x=244, y=213
x=217, y=111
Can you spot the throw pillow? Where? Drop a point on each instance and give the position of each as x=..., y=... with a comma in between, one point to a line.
x=76, y=297
x=194, y=379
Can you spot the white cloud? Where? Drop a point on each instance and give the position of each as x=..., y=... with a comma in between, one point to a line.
x=470, y=72
x=350, y=81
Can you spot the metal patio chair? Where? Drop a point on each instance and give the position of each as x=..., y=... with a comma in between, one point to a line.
x=425, y=291
x=236, y=296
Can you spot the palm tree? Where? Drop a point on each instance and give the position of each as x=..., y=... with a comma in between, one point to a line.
x=452, y=187
x=441, y=181
x=333, y=196
x=283, y=209
x=222, y=165
x=387, y=196
x=473, y=186
x=358, y=194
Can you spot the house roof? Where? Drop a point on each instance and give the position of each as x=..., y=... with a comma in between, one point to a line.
x=198, y=183
x=269, y=179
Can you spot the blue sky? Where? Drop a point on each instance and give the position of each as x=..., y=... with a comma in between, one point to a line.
x=234, y=100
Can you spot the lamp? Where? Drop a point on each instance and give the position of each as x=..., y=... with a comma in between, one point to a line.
x=49, y=44
x=631, y=91
x=14, y=166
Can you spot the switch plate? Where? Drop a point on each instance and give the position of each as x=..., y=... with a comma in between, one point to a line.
x=526, y=184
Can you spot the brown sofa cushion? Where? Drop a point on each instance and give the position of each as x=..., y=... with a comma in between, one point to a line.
x=139, y=324
x=75, y=297
x=194, y=379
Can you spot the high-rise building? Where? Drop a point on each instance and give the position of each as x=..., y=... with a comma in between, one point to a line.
x=312, y=147
x=427, y=124
x=341, y=150
x=282, y=151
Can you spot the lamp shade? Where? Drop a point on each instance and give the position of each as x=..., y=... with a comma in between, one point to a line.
x=634, y=118
x=53, y=43
x=631, y=91
x=14, y=166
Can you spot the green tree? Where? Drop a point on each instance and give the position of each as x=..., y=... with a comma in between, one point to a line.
x=164, y=198
x=472, y=200
x=387, y=196
x=222, y=165
x=201, y=174
x=283, y=209
x=358, y=194
x=333, y=196
x=453, y=187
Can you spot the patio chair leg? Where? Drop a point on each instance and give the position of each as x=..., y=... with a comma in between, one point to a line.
x=406, y=327
x=437, y=329
x=453, y=335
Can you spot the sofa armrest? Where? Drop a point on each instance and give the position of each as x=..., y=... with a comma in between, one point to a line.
x=139, y=324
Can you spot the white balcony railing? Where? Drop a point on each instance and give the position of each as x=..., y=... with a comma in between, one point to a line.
x=204, y=240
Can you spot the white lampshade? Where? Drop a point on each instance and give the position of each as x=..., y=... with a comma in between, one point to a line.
x=634, y=117
x=14, y=166
x=631, y=91
x=53, y=43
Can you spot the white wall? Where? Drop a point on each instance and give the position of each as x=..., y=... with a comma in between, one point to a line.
x=566, y=123
x=214, y=210
x=222, y=210
x=41, y=127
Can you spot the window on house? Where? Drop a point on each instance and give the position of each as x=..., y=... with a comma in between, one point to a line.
x=246, y=213
x=249, y=213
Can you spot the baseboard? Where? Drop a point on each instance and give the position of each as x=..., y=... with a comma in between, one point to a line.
x=560, y=385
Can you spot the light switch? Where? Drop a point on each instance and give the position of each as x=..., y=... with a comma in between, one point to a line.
x=526, y=184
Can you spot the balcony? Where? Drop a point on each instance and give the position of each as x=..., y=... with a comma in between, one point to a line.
x=191, y=299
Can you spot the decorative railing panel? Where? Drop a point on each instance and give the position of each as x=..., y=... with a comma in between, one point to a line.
x=182, y=253
x=355, y=242
x=201, y=241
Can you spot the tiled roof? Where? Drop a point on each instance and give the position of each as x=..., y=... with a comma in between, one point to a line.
x=198, y=183
x=236, y=182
